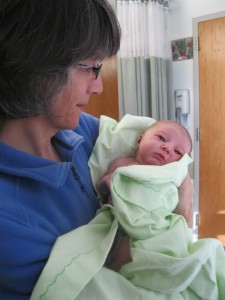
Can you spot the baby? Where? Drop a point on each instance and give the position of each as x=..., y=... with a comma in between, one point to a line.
x=163, y=142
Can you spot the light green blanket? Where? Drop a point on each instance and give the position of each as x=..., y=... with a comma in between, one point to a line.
x=166, y=263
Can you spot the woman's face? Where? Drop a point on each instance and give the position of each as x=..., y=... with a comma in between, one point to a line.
x=70, y=102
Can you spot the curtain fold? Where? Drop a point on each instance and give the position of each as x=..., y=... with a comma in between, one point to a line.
x=134, y=87
x=142, y=59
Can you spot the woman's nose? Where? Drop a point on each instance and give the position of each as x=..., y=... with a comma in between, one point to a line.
x=96, y=86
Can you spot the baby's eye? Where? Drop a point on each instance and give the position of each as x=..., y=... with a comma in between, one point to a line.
x=162, y=138
x=178, y=152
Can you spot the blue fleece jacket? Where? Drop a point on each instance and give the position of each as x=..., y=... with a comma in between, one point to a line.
x=41, y=200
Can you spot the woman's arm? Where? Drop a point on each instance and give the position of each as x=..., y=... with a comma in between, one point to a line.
x=185, y=205
x=120, y=254
x=103, y=186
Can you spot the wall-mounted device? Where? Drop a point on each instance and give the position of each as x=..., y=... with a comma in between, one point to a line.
x=182, y=104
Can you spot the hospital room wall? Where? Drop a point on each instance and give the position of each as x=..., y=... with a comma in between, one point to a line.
x=182, y=13
x=184, y=72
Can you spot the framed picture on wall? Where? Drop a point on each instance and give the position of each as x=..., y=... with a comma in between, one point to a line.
x=182, y=49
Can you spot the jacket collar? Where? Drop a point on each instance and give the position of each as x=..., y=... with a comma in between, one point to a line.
x=19, y=163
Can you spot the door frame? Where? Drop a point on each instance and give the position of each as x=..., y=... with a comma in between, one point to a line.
x=196, y=116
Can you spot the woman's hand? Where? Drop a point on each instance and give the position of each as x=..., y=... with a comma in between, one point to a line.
x=103, y=187
x=185, y=205
x=120, y=254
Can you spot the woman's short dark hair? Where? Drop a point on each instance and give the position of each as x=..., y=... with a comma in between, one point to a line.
x=40, y=40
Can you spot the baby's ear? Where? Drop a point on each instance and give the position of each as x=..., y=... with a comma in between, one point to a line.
x=139, y=140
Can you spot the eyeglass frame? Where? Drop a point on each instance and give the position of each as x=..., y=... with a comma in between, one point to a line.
x=96, y=70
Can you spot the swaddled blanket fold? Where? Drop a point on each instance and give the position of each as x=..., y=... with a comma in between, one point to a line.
x=166, y=263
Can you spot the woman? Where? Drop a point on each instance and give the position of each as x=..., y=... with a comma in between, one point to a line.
x=51, y=53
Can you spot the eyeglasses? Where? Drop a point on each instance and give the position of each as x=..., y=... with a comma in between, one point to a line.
x=96, y=70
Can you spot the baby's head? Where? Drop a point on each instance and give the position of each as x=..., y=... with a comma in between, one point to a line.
x=163, y=142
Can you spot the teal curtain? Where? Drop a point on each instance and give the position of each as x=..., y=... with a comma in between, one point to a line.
x=144, y=60
x=143, y=88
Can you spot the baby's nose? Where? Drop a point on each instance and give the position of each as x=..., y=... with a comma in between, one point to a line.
x=166, y=148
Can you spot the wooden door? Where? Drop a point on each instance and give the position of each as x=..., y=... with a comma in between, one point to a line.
x=107, y=102
x=212, y=129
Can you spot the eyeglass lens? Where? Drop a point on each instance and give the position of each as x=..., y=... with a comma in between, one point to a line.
x=96, y=70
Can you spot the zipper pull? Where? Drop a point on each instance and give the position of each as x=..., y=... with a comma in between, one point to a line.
x=77, y=177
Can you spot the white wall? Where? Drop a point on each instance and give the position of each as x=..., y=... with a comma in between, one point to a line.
x=182, y=13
